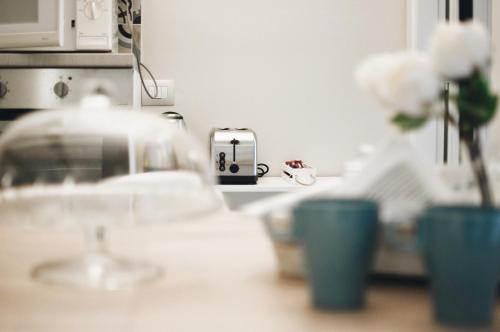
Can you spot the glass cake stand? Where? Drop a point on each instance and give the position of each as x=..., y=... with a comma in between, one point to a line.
x=97, y=168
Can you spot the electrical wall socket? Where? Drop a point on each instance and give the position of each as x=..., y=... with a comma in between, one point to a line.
x=165, y=96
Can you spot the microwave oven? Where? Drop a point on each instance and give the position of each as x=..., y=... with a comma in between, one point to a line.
x=57, y=25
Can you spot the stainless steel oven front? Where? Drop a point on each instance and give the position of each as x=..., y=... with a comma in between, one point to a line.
x=52, y=88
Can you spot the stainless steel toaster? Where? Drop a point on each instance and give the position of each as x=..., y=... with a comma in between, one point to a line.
x=234, y=155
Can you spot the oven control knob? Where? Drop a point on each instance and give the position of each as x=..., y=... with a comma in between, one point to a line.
x=3, y=90
x=61, y=89
x=93, y=9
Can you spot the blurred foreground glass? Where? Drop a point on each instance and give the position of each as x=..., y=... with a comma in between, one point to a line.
x=461, y=248
x=99, y=168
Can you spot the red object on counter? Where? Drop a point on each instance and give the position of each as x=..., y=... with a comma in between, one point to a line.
x=294, y=163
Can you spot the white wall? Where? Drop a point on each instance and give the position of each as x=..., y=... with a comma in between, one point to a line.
x=496, y=42
x=494, y=132
x=281, y=67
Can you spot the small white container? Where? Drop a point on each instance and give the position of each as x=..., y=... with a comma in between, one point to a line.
x=305, y=176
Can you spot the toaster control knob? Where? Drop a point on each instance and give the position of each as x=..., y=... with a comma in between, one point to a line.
x=3, y=90
x=61, y=89
x=234, y=168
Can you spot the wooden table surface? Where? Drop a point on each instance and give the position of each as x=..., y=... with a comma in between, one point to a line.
x=219, y=276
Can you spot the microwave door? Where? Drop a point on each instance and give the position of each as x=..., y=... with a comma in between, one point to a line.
x=31, y=23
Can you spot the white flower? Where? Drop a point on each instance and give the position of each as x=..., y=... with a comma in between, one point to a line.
x=457, y=49
x=403, y=82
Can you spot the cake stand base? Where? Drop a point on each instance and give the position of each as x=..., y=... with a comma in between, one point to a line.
x=96, y=271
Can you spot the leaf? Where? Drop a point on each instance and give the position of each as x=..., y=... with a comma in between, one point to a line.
x=476, y=102
x=407, y=122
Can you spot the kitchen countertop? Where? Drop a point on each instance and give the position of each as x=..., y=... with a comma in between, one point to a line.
x=219, y=276
x=66, y=60
x=275, y=184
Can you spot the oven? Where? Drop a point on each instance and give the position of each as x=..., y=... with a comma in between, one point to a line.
x=26, y=88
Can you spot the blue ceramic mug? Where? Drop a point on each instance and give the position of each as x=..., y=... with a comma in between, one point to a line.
x=461, y=249
x=339, y=239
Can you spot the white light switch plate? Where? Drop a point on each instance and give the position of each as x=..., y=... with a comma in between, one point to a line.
x=166, y=93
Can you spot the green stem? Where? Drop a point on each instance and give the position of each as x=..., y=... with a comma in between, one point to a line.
x=480, y=172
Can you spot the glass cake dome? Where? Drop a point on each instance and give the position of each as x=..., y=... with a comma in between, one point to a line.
x=96, y=168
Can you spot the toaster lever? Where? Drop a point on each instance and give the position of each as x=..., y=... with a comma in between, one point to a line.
x=234, y=142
